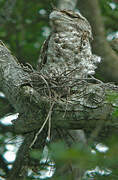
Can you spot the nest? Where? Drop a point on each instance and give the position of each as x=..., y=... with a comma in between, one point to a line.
x=89, y=91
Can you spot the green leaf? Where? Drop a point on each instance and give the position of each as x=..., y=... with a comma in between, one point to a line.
x=112, y=96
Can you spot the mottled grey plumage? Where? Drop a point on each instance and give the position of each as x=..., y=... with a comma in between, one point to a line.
x=68, y=50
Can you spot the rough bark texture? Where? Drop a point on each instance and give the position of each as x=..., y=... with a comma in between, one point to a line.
x=66, y=103
x=16, y=83
x=87, y=107
x=109, y=65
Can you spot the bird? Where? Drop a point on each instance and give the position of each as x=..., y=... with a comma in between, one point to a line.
x=67, y=50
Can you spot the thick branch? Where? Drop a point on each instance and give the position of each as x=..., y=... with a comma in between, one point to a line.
x=77, y=103
x=15, y=83
x=81, y=104
x=85, y=108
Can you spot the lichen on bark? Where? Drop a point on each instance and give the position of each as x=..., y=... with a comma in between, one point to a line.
x=69, y=102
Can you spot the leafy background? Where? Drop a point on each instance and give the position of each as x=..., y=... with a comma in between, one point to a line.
x=24, y=33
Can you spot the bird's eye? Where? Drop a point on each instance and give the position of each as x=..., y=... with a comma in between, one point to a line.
x=75, y=16
x=70, y=14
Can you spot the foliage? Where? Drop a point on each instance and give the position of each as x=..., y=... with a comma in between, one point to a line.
x=98, y=164
x=109, y=9
x=24, y=34
x=112, y=97
x=24, y=31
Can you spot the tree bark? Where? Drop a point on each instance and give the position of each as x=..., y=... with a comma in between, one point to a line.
x=92, y=113
x=85, y=106
x=108, y=69
x=33, y=107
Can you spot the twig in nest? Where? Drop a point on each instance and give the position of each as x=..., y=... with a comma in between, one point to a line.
x=70, y=71
x=49, y=128
x=96, y=79
x=48, y=117
x=45, y=81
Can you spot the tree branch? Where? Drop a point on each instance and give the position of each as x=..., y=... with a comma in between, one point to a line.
x=79, y=103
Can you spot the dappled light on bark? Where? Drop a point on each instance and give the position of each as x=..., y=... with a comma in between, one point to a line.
x=61, y=100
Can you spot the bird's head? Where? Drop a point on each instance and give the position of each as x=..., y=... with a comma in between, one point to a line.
x=68, y=18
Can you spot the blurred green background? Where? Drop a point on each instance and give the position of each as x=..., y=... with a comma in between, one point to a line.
x=23, y=31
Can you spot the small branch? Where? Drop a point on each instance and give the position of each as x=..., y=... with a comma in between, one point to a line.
x=42, y=127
